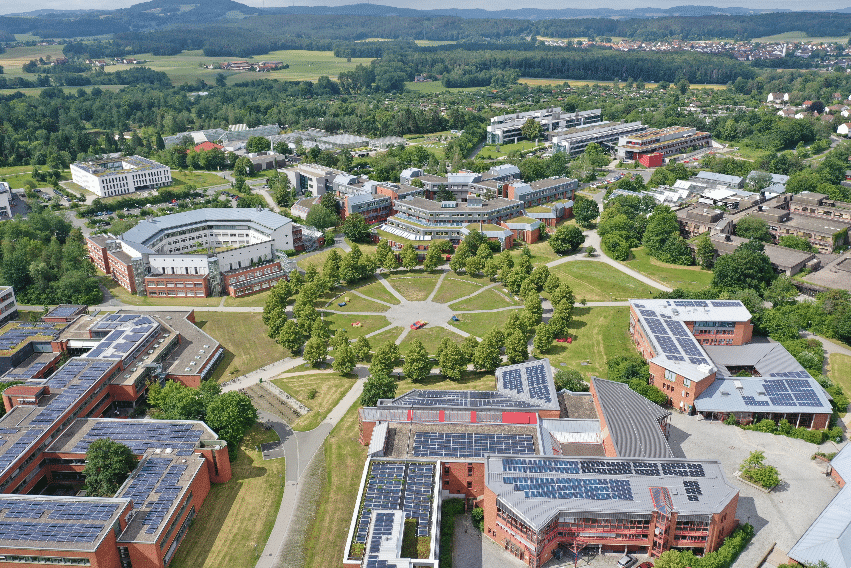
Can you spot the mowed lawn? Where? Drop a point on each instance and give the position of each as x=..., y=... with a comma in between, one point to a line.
x=598, y=335
x=243, y=335
x=390, y=335
x=257, y=300
x=413, y=288
x=368, y=324
x=487, y=300
x=330, y=388
x=480, y=324
x=598, y=282
x=236, y=519
x=198, y=179
x=325, y=540
x=355, y=303
x=673, y=275
x=378, y=291
x=430, y=337
x=840, y=371
x=317, y=260
x=454, y=289
x=470, y=380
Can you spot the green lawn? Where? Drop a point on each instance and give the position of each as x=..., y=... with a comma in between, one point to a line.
x=126, y=297
x=378, y=291
x=344, y=461
x=430, y=338
x=454, y=288
x=598, y=282
x=243, y=335
x=317, y=260
x=542, y=253
x=198, y=179
x=840, y=371
x=470, y=380
x=233, y=525
x=329, y=387
x=390, y=335
x=480, y=324
x=491, y=152
x=18, y=180
x=487, y=300
x=257, y=300
x=598, y=335
x=413, y=288
x=672, y=275
x=344, y=321
x=354, y=303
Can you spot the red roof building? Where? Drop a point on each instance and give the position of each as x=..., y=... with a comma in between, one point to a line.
x=205, y=146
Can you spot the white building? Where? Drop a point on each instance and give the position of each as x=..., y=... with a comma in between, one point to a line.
x=118, y=176
x=507, y=128
x=8, y=304
x=5, y=201
x=312, y=179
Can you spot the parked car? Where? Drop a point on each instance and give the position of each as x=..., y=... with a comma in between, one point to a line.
x=627, y=561
x=645, y=565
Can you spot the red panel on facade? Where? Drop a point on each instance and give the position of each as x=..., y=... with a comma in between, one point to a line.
x=519, y=418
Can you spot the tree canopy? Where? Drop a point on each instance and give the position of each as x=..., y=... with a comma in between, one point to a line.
x=108, y=464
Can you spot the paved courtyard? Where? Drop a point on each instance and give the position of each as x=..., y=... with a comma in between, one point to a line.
x=781, y=516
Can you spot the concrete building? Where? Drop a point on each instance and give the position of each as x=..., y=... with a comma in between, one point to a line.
x=507, y=128
x=700, y=219
x=607, y=136
x=8, y=304
x=667, y=141
x=784, y=260
x=6, y=198
x=697, y=351
x=721, y=179
x=312, y=179
x=373, y=208
x=825, y=234
x=118, y=176
x=542, y=191
x=191, y=254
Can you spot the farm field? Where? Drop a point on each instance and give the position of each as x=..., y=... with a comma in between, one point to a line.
x=236, y=520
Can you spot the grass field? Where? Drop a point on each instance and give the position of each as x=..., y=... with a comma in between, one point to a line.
x=430, y=338
x=490, y=152
x=455, y=288
x=329, y=387
x=581, y=83
x=799, y=36
x=599, y=282
x=470, y=380
x=317, y=260
x=840, y=371
x=598, y=335
x=542, y=253
x=479, y=324
x=243, y=335
x=344, y=461
x=354, y=303
x=378, y=291
x=370, y=324
x=232, y=527
x=198, y=179
x=126, y=297
x=413, y=288
x=385, y=336
x=437, y=87
x=487, y=300
x=671, y=275
x=15, y=57
x=257, y=300
x=18, y=180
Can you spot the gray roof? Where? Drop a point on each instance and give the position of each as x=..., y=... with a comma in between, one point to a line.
x=765, y=357
x=509, y=477
x=148, y=229
x=829, y=537
x=751, y=394
x=842, y=463
x=722, y=178
x=633, y=421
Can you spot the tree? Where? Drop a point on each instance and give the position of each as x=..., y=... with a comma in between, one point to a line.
x=468, y=347
x=544, y=336
x=781, y=292
x=362, y=348
x=533, y=306
x=243, y=167
x=321, y=217
x=458, y=261
x=745, y=268
x=754, y=469
x=315, y=350
x=662, y=237
x=175, y=401
x=753, y=228
x=704, y=252
x=344, y=358
x=258, y=144
x=331, y=268
x=797, y=243
x=409, y=256
x=758, y=181
x=231, y=415
x=474, y=265
x=615, y=246
x=567, y=238
x=384, y=359
x=516, y=347
x=570, y=379
x=626, y=368
x=417, y=365
x=531, y=129
x=487, y=356
x=108, y=464
x=451, y=359
x=377, y=387
x=585, y=211
x=355, y=228
x=390, y=263
x=290, y=337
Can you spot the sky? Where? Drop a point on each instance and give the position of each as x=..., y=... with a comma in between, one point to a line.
x=13, y=6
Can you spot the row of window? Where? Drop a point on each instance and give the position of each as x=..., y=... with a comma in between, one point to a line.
x=62, y=560
x=172, y=284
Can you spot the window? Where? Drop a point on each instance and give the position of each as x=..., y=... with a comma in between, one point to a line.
x=469, y=485
x=686, y=383
x=670, y=376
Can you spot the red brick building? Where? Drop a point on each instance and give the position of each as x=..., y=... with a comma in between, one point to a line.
x=243, y=282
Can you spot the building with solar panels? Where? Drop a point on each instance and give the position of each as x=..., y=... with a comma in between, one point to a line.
x=535, y=505
x=44, y=438
x=701, y=355
x=8, y=304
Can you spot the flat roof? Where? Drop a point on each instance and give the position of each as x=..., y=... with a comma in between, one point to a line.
x=16, y=334
x=459, y=442
x=829, y=537
x=487, y=205
x=146, y=230
x=140, y=435
x=539, y=489
x=129, y=164
x=791, y=392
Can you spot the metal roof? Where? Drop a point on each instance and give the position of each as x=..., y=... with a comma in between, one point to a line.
x=829, y=537
x=510, y=477
x=765, y=394
x=842, y=463
x=146, y=230
x=766, y=358
x=634, y=422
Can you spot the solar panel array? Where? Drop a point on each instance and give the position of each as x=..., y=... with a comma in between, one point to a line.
x=382, y=526
x=693, y=491
x=24, y=441
x=25, y=373
x=464, y=399
x=794, y=388
x=569, y=488
x=34, y=520
x=673, y=338
x=539, y=388
x=600, y=467
x=471, y=445
x=691, y=303
x=398, y=486
x=512, y=379
x=62, y=311
x=17, y=335
x=74, y=379
x=155, y=476
x=140, y=436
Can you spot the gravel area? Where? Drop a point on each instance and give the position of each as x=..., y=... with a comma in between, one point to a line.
x=781, y=516
x=471, y=549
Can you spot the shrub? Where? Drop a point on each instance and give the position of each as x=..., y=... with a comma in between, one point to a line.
x=451, y=508
x=311, y=394
x=731, y=420
x=478, y=516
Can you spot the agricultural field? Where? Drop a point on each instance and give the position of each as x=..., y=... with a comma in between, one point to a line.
x=15, y=57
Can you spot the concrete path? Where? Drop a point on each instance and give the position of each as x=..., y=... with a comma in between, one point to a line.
x=299, y=448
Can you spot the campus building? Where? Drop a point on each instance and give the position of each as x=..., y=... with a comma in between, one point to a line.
x=784, y=260
x=666, y=141
x=825, y=233
x=312, y=179
x=508, y=128
x=6, y=197
x=699, y=350
x=197, y=253
x=8, y=304
x=53, y=417
x=118, y=176
x=605, y=135
x=542, y=191
x=552, y=470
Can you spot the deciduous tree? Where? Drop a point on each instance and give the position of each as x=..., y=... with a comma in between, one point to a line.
x=108, y=464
